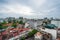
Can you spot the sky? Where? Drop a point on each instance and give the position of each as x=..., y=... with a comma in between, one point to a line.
x=30, y=8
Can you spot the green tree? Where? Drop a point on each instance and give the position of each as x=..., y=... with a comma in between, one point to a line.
x=32, y=32
x=14, y=25
x=1, y=26
x=22, y=38
x=4, y=22
x=21, y=22
x=9, y=20
x=14, y=21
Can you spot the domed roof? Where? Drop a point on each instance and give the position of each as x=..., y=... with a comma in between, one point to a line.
x=50, y=26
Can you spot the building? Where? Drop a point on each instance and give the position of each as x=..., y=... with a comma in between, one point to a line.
x=38, y=36
x=24, y=20
x=1, y=20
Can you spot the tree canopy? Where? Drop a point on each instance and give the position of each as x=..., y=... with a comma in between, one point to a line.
x=21, y=22
x=14, y=25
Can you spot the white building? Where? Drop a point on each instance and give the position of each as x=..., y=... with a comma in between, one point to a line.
x=51, y=31
x=27, y=25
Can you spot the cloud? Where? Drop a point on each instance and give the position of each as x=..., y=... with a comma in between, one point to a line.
x=17, y=8
x=30, y=8
x=14, y=7
x=38, y=3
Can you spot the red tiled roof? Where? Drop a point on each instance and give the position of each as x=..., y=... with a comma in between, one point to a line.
x=0, y=37
x=14, y=33
x=4, y=33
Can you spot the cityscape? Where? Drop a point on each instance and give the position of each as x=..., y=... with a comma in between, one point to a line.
x=29, y=19
x=12, y=28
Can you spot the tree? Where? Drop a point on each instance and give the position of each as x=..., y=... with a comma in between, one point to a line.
x=4, y=22
x=14, y=21
x=1, y=26
x=21, y=22
x=14, y=25
x=30, y=34
x=22, y=38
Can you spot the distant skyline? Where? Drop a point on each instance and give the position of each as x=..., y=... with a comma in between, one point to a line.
x=30, y=8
